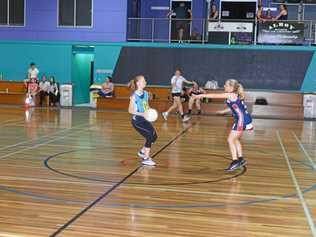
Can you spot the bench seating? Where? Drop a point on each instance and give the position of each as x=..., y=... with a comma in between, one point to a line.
x=14, y=93
x=283, y=105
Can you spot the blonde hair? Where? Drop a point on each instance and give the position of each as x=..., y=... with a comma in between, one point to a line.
x=238, y=88
x=133, y=83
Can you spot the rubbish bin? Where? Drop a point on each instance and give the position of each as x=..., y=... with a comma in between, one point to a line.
x=310, y=106
x=66, y=95
x=94, y=89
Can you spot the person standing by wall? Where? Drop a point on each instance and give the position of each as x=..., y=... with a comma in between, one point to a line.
x=214, y=13
x=32, y=74
x=181, y=22
x=283, y=14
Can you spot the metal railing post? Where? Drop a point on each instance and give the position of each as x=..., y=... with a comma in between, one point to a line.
x=310, y=32
x=315, y=34
x=203, y=31
x=137, y=33
x=169, y=41
x=152, y=29
x=255, y=32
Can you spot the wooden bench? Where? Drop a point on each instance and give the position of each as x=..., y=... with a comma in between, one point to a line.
x=14, y=93
x=283, y=105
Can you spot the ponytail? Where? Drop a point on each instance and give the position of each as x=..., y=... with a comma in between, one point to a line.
x=133, y=83
x=240, y=91
x=238, y=88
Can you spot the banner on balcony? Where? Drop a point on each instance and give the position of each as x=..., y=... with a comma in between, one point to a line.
x=278, y=32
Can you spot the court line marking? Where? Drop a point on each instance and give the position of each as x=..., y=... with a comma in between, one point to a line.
x=218, y=179
x=159, y=206
x=297, y=187
x=243, y=203
x=39, y=138
x=40, y=144
x=304, y=150
x=105, y=194
x=7, y=122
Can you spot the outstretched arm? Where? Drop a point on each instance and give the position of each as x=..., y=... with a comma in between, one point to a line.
x=188, y=82
x=224, y=111
x=213, y=95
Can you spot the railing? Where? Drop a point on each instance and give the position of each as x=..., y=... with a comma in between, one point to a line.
x=221, y=31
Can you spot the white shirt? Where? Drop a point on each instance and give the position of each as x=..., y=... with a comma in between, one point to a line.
x=178, y=84
x=53, y=88
x=44, y=86
x=33, y=73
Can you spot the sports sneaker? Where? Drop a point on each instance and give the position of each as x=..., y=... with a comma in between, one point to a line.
x=234, y=165
x=186, y=119
x=165, y=115
x=148, y=161
x=141, y=154
x=242, y=161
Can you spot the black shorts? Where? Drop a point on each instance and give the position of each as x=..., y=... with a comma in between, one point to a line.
x=196, y=93
x=181, y=24
x=176, y=95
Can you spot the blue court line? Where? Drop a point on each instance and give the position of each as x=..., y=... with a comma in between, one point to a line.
x=151, y=206
x=46, y=163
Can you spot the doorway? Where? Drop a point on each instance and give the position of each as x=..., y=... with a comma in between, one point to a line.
x=82, y=73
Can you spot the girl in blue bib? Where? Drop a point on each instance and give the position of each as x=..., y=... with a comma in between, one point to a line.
x=234, y=95
x=137, y=106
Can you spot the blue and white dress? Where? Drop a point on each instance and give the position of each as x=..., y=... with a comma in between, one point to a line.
x=242, y=118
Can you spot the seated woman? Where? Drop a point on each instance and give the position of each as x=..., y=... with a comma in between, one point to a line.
x=107, y=88
x=195, y=90
x=53, y=92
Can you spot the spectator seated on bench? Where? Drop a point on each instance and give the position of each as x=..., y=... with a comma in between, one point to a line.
x=54, y=95
x=44, y=87
x=107, y=88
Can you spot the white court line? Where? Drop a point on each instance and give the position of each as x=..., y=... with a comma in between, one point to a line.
x=38, y=138
x=298, y=189
x=5, y=123
x=304, y=150
x=37, y=145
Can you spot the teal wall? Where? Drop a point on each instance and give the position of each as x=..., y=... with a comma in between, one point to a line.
x=106, y=57
x=50, y=59
x=55, y=58
x=309, y=83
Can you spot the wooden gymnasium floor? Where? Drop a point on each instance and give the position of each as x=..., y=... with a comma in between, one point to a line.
x=75, y=173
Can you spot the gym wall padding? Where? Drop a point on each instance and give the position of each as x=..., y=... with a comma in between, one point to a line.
x=256, y=69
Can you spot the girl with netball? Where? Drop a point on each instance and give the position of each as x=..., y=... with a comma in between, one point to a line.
x=234, y=95
x=137, y=107
x=177, y=85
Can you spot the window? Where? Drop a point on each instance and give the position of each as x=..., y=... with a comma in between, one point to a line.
x=75, y=13
x=12, y=12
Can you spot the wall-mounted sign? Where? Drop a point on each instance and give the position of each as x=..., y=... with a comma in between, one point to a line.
x=279, y=32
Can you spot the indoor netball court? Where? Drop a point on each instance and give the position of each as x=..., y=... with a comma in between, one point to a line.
x=82, y=177
x=146, y=118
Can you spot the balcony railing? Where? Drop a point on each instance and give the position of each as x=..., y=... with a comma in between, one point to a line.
x=221, y=31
